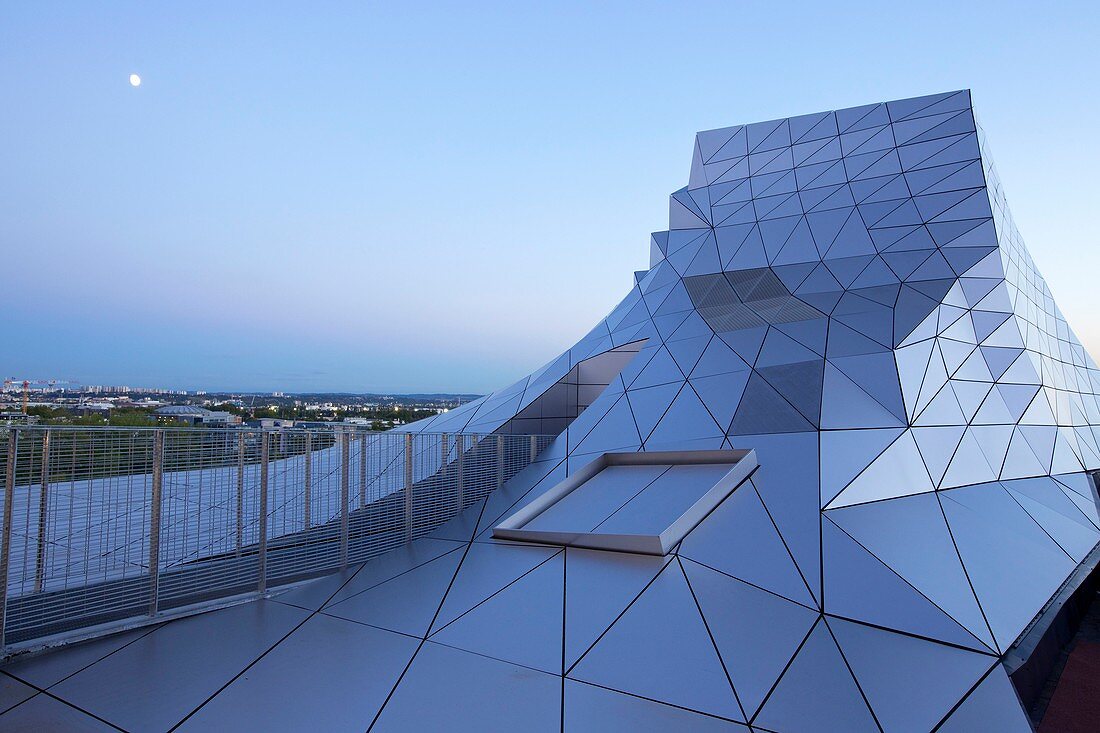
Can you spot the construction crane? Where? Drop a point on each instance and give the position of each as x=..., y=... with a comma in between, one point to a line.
x=13, y=384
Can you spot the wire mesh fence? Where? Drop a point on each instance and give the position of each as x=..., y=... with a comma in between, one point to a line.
x=107, y=525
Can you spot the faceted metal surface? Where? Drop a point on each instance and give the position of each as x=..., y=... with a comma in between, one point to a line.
x=449, y=689
x=844, y=293
x=43, y=712
x=343, y=668
x=157, y=680
x=13, y=692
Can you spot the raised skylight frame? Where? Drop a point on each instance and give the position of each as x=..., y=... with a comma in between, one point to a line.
x=742, y=463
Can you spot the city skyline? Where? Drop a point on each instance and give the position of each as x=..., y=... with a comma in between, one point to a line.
x=270, y=211
x=15, y=387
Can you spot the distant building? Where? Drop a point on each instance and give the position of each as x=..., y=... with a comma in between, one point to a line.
x=18, y=418
x=314, y=424
x=270, y=423
x=192, y=415
x=221, y=418
x=350, y=424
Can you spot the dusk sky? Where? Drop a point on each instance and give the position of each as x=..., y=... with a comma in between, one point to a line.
x=397, y=196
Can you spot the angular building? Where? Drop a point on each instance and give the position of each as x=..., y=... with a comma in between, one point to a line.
x=824, y=468
x=845, y=294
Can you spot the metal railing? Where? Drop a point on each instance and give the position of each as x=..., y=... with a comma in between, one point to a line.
x=110, y=527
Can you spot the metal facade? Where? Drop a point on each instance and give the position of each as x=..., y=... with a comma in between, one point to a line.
x=843, y=293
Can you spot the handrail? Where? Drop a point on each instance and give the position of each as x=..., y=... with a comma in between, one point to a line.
x=109, y=527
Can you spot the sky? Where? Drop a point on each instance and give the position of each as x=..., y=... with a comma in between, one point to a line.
x=411, y=197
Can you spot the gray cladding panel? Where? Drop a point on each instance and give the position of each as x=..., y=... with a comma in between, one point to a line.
x=345, y=670
x=583, y=509
x=631, y=502
x=591, y=709
x=672, y=494
x=43, y=713
x=154, y=682
x=454, y=691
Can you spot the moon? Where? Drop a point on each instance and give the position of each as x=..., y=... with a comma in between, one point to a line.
x=135, y=80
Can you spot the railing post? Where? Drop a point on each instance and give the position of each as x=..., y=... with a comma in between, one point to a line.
x=308, y=484
x=500, y=461
x=443, y=454
x=408, y=486
x=43, y=508
x=344, y=479
x=362, y=470
x=5, y=531
x=154, y=521
x=460, y=479
x=261, y=550
x=534, y=447
x=240, y=493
